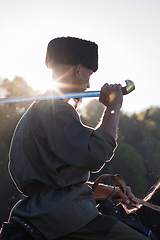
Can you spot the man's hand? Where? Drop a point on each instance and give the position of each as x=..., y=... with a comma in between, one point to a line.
x=103, y=191
x=126, y=199
x=111, y=95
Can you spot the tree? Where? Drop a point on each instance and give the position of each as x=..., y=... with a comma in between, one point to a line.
x=93, y=113
x=9, y=116
x=3, y=158
x=131, y=130
x=142, y=131
x=8, y=193
x=129, y=164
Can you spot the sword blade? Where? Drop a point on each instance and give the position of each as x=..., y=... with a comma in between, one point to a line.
x=125, y=90
x=49, y=97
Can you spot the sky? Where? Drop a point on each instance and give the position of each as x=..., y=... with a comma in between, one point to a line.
x=127, y=33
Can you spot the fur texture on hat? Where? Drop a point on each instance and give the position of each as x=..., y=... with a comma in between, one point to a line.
x=73, y=51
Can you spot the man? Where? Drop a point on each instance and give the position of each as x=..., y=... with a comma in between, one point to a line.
x=52, y=153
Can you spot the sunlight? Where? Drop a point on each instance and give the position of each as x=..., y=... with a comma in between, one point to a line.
x=43, y=82
x=47, y=85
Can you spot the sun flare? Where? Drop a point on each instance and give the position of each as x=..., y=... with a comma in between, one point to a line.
x=44, y=86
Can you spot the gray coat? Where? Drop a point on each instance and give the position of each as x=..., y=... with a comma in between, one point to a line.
x=51, y=156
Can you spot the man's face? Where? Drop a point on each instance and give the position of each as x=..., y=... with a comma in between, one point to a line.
x=72, y=78
x=84, y=78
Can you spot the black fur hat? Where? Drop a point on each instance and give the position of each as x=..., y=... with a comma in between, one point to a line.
x=69, y=50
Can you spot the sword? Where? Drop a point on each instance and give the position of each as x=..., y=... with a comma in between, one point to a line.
x=125, y=90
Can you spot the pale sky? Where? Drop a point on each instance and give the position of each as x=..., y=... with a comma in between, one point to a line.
x=126, y=31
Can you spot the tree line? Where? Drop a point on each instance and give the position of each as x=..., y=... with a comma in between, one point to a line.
x=137, y=157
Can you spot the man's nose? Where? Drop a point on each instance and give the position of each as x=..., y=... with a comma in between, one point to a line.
x=88, y=85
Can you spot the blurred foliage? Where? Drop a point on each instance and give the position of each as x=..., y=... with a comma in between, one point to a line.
x=93, y=112
x=10, y=114
x=137, y=157
x=129, y=164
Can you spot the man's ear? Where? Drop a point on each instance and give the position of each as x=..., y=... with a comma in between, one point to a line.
x=78, y=71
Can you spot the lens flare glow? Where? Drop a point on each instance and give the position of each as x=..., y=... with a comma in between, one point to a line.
x=111, y=97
